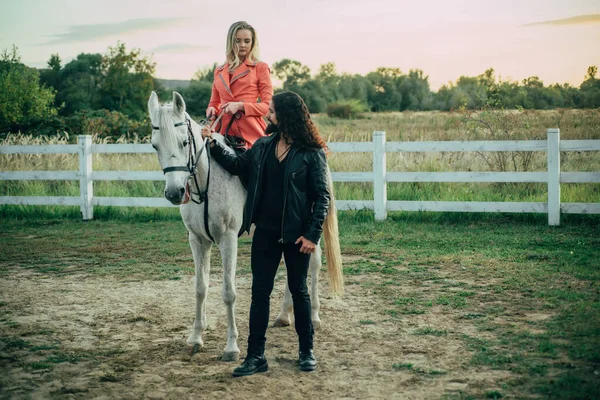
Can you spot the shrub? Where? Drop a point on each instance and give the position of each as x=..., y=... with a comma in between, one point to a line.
x=108, y=126
x=346, y=109
x=105, y=124
x=488, y=123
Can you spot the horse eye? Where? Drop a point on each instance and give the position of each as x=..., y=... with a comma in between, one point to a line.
x=185, y=143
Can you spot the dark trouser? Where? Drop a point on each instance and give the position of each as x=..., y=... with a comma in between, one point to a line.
x=265, y=258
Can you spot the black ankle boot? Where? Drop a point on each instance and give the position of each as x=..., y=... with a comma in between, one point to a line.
x=307, y=361
x=252, y=364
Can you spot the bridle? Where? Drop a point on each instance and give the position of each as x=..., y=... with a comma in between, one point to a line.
x=191, y=166
x=193, y=153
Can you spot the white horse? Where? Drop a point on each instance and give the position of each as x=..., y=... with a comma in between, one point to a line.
x=211, y=205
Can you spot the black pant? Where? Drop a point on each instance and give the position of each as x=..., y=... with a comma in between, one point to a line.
x=265, y=258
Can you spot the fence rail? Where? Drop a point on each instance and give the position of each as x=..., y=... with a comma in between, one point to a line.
x=553, y=177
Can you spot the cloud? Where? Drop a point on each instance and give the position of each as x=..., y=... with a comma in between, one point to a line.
x=83, y=33
x=579, y=20
x=179, y=48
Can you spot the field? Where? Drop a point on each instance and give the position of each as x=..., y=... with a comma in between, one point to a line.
x=451, y=308
x=437, y=306
x=417, y=126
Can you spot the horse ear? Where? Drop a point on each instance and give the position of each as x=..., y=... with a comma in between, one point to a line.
x=178, y=104
x=153, y=105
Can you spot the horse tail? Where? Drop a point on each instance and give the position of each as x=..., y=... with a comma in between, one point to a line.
x=333, y=253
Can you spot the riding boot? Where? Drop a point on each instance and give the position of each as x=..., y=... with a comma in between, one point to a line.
x=307, y=361
x=254, y=362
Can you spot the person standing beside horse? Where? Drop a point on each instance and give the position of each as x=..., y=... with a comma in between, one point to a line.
x=238, y=85
x=288, y=200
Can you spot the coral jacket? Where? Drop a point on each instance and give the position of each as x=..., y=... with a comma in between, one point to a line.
x=248, y=83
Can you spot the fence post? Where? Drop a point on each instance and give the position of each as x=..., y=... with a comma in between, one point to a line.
x=554, y=177
x=379, y=176
x=86, y=188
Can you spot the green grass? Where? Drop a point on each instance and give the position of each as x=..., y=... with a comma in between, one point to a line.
x=417, y=370
x=529, y=292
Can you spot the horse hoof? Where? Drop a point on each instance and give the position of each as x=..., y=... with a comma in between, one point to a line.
x=316, y=324
x=194, y=349
x=230, y=356
x=279, y=323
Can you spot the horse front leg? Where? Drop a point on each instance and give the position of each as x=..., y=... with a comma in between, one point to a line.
x=201, y=253
x=228, y=248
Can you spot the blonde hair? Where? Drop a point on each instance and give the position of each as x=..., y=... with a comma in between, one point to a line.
x=231, y=55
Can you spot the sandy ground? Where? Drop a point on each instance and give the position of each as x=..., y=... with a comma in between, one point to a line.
x=129, y=337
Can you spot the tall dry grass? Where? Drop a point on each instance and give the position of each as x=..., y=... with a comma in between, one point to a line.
x=406, y=126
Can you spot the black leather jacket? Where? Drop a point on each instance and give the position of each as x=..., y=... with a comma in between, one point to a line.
x=306, y=193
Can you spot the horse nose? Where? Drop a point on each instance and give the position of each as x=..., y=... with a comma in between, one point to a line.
x=175, y=196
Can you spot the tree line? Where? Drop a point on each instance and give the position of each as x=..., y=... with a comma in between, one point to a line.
x=388, y=89
x=93, y=92
x=107, y=93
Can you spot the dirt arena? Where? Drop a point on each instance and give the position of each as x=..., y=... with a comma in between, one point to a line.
x=126, y=339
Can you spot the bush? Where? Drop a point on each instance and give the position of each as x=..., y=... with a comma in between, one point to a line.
x=105, y=124
x=23, y=101
x=109, y=126
x=346, y=109
x=491, y=124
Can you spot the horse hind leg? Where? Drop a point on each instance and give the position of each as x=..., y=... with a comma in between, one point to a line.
x=315, y=266
x=228, y=248
x=201, y=254
x=283, y=319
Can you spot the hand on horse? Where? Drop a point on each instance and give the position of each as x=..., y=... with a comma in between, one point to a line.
x=206, y=132
x=233, y=107
x=307, y=246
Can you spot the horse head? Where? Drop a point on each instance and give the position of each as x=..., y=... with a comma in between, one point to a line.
x=178, y=144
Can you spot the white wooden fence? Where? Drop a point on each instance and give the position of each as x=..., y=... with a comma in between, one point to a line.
x=553, y=177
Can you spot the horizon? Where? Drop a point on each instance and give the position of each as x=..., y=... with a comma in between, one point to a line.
x=446, y=40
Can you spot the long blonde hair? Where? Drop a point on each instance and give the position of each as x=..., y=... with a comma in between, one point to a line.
x=231, y=55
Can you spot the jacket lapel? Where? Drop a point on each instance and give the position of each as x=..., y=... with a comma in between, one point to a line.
x=240, y=74
x=224, y=78
x=244, y=69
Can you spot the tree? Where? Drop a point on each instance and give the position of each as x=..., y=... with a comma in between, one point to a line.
x=51, y=75
x=23, y=101
x=354, y=87
x=313, y=94
x=206, y=74
x=384, y=94
x=197, y=97
x=291, y=72
x=80, y=81
x=328, y=80
x=590, y=89
x=415, y=91
x=592, y=71
x=127, y=79
x=54, y=62
x=327, y=70
x=536, y=98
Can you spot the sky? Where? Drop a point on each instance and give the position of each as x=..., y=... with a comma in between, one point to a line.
x=555, y=40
